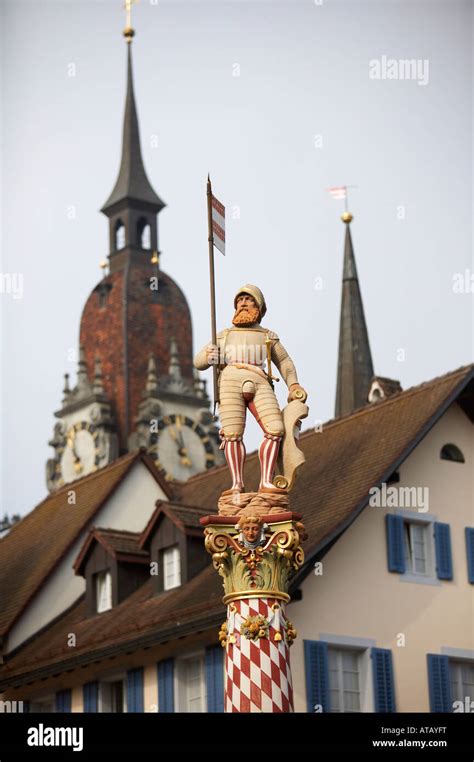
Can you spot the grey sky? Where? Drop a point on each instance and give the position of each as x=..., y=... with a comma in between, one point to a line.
x=304, y=73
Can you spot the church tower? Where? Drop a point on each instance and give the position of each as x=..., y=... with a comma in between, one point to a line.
x=136, y=385
x=356, y=383
x=355, y=369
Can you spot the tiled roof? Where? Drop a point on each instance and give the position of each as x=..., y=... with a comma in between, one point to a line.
x=121, y=545
x=185, y=517
x=120, y=542
x=34, y=546
x=195, y=603
x=349, y=456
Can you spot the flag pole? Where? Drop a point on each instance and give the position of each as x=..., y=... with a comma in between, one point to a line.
x=213, y=290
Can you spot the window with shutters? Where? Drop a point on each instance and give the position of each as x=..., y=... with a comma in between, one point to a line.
x=171, y=568
x=103, y=591
x=344, y=680
x=419, y=550
x=461, y=675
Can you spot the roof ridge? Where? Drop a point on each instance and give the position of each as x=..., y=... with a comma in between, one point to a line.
x=416, y=389
x=115, y=531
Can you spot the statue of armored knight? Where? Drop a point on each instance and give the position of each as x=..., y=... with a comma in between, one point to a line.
x=243, y=355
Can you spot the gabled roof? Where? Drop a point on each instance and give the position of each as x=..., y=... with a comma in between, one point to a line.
x=119, y=544
x=348, y=457
x=185, y=517
x=35, y=546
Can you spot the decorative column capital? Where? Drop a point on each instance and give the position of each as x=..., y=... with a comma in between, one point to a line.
x=255, y=555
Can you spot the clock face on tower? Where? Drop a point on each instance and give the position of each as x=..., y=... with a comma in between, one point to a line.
x=81, y=454
x=181, y=447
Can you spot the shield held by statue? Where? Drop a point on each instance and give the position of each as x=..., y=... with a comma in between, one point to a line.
x=290, y=457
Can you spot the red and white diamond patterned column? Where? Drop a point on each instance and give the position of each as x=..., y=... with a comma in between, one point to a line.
x=256, y=556
x=258, y=674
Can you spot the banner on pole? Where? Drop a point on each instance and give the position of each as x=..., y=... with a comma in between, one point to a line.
x=218, y=224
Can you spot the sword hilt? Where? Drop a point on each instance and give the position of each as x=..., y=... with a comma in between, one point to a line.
x=271, y=377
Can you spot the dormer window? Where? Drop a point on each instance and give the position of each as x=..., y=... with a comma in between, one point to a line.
x=113, y=566
x=103, y=591
x=382, y=387
x=453, y=453
x=171, y=568
x=173, y=538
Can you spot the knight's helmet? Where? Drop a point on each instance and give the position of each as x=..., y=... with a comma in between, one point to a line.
x=254, y=292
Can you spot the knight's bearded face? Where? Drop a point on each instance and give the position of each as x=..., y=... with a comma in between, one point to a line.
x=246, y=312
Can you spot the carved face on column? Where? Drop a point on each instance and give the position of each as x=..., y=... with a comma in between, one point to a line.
x=251, y=531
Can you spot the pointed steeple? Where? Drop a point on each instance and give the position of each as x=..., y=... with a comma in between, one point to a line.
x=132, y=183
x=355, y=369
x=133, y=205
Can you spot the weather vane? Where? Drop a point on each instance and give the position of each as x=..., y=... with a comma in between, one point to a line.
x=342, y=192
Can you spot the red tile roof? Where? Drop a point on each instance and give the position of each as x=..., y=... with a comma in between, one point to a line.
x=120, y=544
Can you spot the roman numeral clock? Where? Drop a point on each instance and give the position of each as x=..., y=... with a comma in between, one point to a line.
x=180, y=447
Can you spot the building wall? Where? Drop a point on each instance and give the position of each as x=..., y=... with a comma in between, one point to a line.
x=357, y=597
x=130, y=508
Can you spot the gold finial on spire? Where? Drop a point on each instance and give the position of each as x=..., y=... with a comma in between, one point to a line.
x=346, y=217
x=128, y=32
x=155, y=258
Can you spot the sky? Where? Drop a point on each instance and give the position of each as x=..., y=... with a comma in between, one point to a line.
x=278, y=101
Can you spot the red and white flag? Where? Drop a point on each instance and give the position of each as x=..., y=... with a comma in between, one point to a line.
x=218, y=224
x=339, y=192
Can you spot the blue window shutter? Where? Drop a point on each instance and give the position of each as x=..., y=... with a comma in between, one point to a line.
x=395, y=544
x=439, y=685
x=135, y=690
x=444, y=562
x=91, y=697
x=384, y=687
x=215, y=678
x=63, y=701
x=166, y=685
x=317, y=675
x=470, y=553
